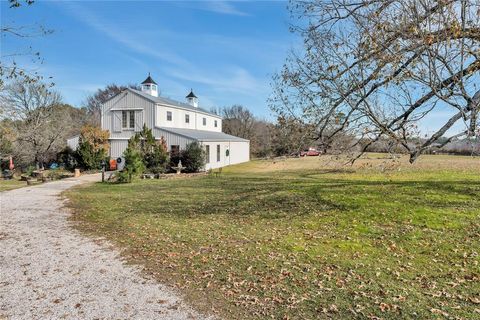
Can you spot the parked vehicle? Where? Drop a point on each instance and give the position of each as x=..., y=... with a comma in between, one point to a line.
x=310, y=152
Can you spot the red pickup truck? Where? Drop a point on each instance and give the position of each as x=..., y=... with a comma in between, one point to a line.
x=311, y=152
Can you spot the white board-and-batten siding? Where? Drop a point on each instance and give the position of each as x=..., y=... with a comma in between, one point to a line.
x=172, y=139
x=112, y=119
x=239, y=151
x=126, y=101
x=148, y=112
x=144, y=114
x=118, y=146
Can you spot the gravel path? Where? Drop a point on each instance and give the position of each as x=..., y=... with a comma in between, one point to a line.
x=50, y=271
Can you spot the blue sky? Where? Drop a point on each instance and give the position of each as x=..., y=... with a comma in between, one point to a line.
x=226, y=51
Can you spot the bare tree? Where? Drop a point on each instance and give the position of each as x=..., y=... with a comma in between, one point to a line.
x=290, y=136
x=94, y=102
x=9, y=68
x=238, y=121
x=262, y=142
x=374, y=68
x=17, y=3
x=38, y=120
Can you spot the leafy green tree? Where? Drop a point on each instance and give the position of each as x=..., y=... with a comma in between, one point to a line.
x=92, y=148
x=154, y=153
x=157, y=159
x=193, y=157
x=134, y=165
x=88, y=158
x=144, y=153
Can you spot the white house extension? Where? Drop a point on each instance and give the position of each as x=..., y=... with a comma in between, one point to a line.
x=179, y=123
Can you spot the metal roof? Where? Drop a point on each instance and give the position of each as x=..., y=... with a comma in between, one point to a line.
x=172, y=102
x=202, y=135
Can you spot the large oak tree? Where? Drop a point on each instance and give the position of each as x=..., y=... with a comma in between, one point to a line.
x=38, y=122
x=376, y=68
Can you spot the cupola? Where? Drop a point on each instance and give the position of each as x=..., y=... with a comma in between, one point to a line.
x=192, y=99
x=149, y=86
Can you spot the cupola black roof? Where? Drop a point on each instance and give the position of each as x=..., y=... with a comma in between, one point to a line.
x=191, y=94
x=149, y=80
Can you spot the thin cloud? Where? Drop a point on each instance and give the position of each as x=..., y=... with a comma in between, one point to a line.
x=90, y=19
x=84, y=87
x=232, y=79
x=222, y=7
x=214, y=79
x=236, y=80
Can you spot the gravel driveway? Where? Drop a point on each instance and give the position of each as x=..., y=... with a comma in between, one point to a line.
x=50, y=271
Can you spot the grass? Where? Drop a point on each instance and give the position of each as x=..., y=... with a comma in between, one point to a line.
x=6, y=185
x=305, y=238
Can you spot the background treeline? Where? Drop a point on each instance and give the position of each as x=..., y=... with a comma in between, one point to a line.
x=287, y=136
x=35, y=124
x=463, y=147
x=334, y=115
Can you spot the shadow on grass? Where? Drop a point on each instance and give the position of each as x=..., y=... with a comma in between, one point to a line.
x=280, y=197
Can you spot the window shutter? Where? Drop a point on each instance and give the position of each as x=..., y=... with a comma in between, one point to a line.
x=117, y=121
x=138, y=121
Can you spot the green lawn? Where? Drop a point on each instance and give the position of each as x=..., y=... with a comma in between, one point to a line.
x=11, y=184
x=304, y=239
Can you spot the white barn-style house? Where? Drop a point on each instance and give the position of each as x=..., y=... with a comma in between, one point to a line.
x=179, y=123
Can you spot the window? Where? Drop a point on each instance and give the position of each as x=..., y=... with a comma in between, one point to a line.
x=207, y=153
x=218, y=153
x=169, y=115
x=174, y=150
x=215, y=123
x=124, y=119
x=187, y=118
x=128, y=119
x=204, y=121
x=132, y=119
